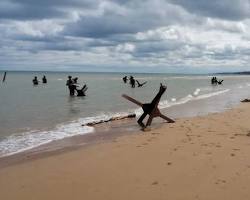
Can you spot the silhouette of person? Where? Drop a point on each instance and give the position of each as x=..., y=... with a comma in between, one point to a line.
x=125, y=78
x=71, y=86
x=44, y=79
x=132, y=81
x=140, y=84
x=82, y=91
x=35, y=81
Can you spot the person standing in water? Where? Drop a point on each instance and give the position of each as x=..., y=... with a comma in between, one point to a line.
x=44, y=79
x=35, y=81
x=70, y=85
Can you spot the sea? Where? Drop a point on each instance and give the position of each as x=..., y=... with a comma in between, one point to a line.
x=31, y=116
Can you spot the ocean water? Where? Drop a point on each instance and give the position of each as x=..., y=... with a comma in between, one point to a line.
x=34, y=115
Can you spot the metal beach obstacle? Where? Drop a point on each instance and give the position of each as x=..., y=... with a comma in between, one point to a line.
x=150, y=109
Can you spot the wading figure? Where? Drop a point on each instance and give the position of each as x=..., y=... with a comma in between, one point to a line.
x=35, y=81
x=71, y=86
x=125, y=78
x=44, y=79
x=150, y=109
x=132, y=81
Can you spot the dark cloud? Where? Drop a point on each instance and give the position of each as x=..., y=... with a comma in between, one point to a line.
x=121, y=32
x=128, y=19
x=223, y=9
x=44, y=9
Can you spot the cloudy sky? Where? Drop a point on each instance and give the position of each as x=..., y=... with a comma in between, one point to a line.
x=192, y=36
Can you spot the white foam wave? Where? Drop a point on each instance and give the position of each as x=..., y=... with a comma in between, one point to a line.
x=28, y=140
x=190, y=97
x=197, y=91
x=25, y=141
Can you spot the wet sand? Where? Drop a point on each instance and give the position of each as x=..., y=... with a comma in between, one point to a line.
x=195, y=158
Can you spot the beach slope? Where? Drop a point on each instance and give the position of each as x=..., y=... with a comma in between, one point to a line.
x=195, y=158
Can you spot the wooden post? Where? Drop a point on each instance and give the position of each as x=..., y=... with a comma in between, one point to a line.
x=4, y=76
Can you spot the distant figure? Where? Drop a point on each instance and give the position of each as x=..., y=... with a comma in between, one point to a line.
x=71, y=86
x=140, y=84
x=4, y=76
x=81, y=92
x=35, y=81
x=214, y=81
x=44, y=79
x=125, y=78
x=132, y=81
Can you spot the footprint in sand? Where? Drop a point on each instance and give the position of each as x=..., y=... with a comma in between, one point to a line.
x=155, y=183
x=220, y=181
x=155, y=133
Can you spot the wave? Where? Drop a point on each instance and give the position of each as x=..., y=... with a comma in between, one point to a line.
x=21, y=142
x=190, y=97
x=28, y=140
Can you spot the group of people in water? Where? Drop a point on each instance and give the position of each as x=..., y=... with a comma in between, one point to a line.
x=73, y=87
x=36, y=81
x=72, y=84
x=132, y=81
x=215, y=81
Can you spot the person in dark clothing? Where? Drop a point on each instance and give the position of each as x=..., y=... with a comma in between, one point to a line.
x=44, y=79
x=125, y=78
x=132, y=81
x=35, y=81
x=71, y=86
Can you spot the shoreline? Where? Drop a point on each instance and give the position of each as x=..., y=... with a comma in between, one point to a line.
x=205, y=157
x=109, y=131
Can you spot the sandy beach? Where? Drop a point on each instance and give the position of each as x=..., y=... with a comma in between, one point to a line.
x=195, y=158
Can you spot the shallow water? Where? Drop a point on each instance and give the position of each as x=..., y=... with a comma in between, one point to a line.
x=31, y=116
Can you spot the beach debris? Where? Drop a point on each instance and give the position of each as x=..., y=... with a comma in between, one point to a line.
x=110, y=119
x=150, y=109
x=140, y=84
x=245, y=100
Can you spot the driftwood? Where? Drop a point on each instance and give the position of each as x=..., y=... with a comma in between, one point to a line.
x=109, y=120
x=245, y=100
x=150, y=109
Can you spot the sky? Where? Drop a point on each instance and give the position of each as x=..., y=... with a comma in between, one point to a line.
x=175, y=36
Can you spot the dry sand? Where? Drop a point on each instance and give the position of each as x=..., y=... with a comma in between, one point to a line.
x=197, y=158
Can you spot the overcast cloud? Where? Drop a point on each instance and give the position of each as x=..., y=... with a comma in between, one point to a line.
x=118, y=35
